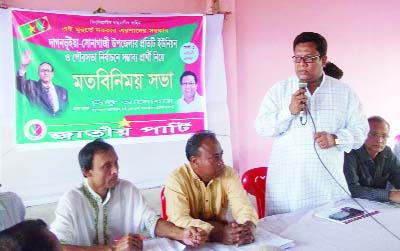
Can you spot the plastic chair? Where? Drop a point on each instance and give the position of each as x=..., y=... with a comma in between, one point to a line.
x=253, y=181
x=163, y=204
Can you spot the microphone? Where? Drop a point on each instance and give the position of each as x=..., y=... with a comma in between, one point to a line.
x=302, y=85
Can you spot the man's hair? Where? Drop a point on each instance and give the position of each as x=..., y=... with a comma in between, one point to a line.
x=28, y=235
x=333, y=71
x=194, y=142
x=86, y=154
x=52, y=68
x=188, y=73
x=378, y=119
x=317, y=39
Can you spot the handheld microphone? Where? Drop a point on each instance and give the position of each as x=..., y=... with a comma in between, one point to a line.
x=302, y=85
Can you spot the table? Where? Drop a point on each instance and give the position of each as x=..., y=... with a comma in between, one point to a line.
x=312, y=233
x=264, y=241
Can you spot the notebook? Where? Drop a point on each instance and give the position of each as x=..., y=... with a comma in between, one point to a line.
x=345, y=214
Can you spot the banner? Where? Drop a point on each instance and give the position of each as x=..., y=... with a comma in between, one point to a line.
x=83, y=77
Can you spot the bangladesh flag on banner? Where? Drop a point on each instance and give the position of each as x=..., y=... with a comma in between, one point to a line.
x=34, y=27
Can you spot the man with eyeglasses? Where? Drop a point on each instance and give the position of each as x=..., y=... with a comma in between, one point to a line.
x=50, y=98
x=190, y=101
x=307, y=114
x=373, y=170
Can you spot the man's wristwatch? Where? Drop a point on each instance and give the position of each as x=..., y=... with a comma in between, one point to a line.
x=336, y=140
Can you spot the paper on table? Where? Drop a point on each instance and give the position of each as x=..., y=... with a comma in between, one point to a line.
x=265, y=240
x=162, y=244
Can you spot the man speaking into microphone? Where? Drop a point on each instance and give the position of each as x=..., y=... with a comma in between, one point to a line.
x=308, y=107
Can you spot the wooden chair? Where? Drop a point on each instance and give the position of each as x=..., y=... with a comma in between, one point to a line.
x=253, y=181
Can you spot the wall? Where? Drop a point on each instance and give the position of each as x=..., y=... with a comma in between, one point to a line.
x=40, y=176
x=120, y=6
x=258, y=34
x=363, y=40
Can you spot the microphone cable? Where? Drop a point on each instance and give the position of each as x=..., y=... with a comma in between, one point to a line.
x=337, y=182
x=303, y=116
x=303, y=111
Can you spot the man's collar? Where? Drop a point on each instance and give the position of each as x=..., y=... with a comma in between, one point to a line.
x=46, y=85
x=364, y=156
x=196, y=177
x=193, y=173
x=95, y=195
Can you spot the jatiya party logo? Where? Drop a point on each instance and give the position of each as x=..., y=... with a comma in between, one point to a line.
x=35, y=129
x=34, y=27
x=189, y=53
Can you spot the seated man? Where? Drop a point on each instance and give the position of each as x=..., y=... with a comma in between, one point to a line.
x=12, y=210
x=370, y=169
x=29, y=235
x=198, y=194
x=106, y=213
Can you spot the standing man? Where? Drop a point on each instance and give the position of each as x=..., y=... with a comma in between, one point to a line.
x=198, y=194
x=107, y=213
x=373, y=169
x=324, y=113
x=50, y=98
x=190, y=101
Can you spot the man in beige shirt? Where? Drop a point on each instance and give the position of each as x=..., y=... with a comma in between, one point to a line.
x=198, y=194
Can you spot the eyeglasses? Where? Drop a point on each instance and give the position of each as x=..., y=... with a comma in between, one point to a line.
x=188, y=84
x=306, y=59
x=45, y=70
x=376, y=135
